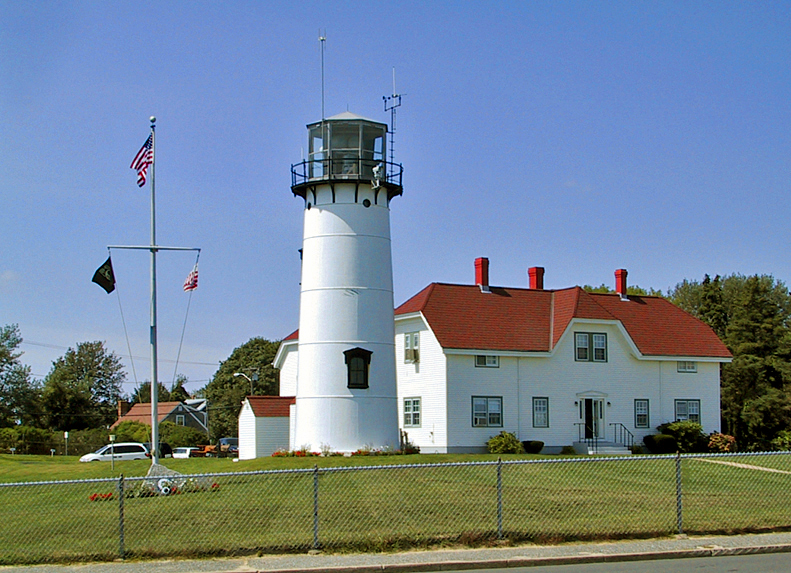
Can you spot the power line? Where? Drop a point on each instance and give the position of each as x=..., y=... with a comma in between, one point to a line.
x=56, y=347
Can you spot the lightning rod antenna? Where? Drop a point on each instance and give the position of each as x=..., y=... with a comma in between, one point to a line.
x=322, y=40
x=391, y=103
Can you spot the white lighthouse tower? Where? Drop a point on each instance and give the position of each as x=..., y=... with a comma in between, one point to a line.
x=346, y=382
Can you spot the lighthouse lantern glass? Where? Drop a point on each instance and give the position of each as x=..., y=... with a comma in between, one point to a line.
x=317, y=154
x=345, y=149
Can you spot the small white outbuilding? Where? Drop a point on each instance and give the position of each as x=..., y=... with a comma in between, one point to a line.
x=264, y=425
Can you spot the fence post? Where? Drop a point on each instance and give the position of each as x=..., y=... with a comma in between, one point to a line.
x=499, y=498
x=679, y=505
x=316, y=507
x=121, y=516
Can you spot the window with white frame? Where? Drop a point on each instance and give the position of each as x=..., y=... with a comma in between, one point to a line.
x=688, y=410
x=412, y=347
x=641, y=413
x=541, y=412
x=590, y=347
x=411, y=412
x=180, y=419
x=487, y=411
x=482, y=361
x=688, y=366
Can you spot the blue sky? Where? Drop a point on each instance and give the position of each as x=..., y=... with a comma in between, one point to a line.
x=578, y=136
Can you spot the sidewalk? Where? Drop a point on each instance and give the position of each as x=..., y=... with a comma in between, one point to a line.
x=443, y=560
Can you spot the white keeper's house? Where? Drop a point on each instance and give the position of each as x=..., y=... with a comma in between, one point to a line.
x=565, y=367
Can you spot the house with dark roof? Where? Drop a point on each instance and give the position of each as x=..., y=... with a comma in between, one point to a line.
x=564, y=367
x=191, y=413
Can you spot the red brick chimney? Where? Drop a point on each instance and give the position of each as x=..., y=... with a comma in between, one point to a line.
x=620, y=282
x=123, y=408
x=536, y=275
x=482, y=273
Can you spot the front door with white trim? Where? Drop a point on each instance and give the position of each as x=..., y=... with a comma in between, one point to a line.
x=592, y=415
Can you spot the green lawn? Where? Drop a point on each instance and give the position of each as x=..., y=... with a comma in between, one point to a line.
x=381, y=508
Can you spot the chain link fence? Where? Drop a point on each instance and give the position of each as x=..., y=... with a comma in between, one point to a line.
x=393, y=507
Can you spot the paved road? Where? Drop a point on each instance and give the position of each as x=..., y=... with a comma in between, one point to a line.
x=766, y=563
x=759, y=553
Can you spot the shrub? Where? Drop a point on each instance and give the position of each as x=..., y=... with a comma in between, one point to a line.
x=180, y=436
x=660, y=444
x=782, y=441
x=533, y=446
x=721, y=443
x=133, y=431
x=689, y=436
x=568, y=451
x=504, y=443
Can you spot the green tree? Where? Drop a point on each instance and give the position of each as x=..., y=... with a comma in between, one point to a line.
x=18, y=393
x=752, y=315
x=712, y=308
x=142, y=393
x=634, y=290
x=225, y=392
x=83, y=388
x=177, y=392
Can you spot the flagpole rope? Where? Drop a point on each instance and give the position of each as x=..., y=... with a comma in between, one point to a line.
x=183, y=329
x=126, y=332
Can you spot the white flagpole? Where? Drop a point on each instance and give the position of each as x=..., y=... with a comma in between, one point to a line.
x=154, y=374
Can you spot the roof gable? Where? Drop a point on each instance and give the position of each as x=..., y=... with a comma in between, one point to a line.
x=141, y=412
x=530, y=320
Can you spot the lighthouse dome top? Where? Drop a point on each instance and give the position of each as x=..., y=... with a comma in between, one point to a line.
x=349, y=116
x=347, y=147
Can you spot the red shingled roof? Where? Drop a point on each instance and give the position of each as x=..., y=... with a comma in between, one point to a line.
x=271, y=406
x=141, y=412
x=527, y=320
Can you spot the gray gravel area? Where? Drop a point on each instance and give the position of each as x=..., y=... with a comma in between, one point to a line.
x=439, y=560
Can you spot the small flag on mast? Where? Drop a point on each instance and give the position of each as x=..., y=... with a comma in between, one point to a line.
x=143, y=159
x=192, y=280
x=104, y=276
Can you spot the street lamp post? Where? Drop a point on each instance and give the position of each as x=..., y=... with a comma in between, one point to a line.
x=250, y=380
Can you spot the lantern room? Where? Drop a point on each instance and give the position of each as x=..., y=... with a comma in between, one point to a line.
x=346, y=147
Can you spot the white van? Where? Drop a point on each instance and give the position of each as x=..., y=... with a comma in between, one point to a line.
x=118, y=452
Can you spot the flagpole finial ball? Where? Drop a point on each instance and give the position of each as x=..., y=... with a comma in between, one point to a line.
x=152, y=119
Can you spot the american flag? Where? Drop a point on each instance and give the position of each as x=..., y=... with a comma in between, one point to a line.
x=192, y=280
x=143, y=159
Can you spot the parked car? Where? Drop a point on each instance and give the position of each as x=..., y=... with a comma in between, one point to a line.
x=186, y=452
x=165, y=451
x=118, y=452
x=229, y=446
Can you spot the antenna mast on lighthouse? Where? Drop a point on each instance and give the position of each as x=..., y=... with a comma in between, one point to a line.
x=322, y=40
x=391, y=103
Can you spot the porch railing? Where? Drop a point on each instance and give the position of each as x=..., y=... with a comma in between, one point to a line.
x=621, y=435
x=592, y=443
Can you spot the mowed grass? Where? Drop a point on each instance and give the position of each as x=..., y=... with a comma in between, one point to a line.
x=384, y=505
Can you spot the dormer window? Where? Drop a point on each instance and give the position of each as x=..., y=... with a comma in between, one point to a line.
x=358, y=362
x=590, y=347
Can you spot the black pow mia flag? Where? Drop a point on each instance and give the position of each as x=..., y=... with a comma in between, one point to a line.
x=104, y=276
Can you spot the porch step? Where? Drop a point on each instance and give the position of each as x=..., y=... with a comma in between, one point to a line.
x=603, y=449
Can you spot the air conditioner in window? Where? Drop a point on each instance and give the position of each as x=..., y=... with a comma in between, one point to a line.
x=411, y=355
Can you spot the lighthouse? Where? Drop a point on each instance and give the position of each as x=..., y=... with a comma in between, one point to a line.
x=346, y=395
